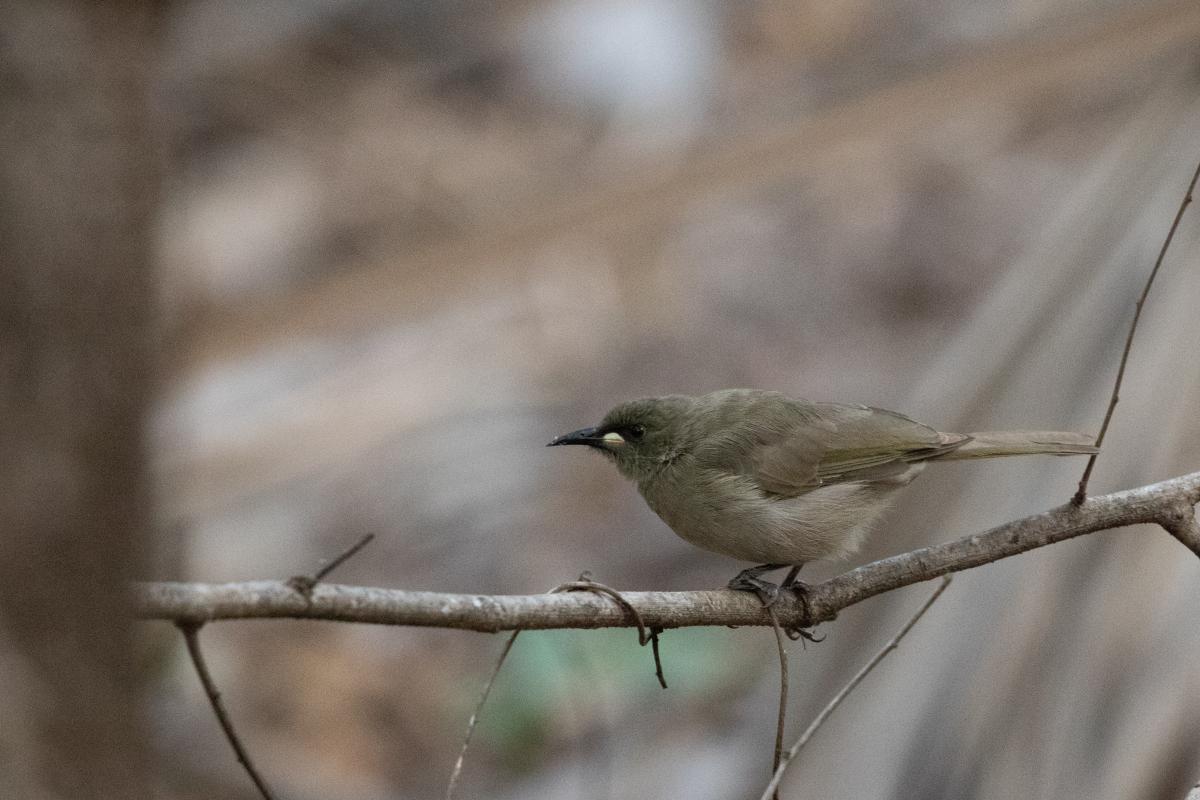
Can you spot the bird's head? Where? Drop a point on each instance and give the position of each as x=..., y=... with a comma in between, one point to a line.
x=640, y=435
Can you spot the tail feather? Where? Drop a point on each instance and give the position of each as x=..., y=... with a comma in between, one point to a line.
x=1022, y=443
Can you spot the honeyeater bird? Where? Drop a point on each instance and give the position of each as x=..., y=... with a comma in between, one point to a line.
x=763, y=477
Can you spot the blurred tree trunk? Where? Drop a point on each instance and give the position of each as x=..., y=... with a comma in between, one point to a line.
x=77, y=191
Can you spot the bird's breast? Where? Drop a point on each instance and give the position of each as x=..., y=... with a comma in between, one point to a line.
x=729, y=514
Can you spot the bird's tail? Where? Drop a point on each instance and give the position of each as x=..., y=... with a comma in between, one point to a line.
x=994, y=444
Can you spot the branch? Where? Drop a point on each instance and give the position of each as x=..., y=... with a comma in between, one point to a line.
x=1180, y=522
x=304, y=584
x=1081, y=492
x=584, y=584
x=781, y=719
x=191, y=631
x=782, y=760
x=1168, y=504
x=475, y=715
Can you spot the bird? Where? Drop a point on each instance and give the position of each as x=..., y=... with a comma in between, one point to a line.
x=760, y=476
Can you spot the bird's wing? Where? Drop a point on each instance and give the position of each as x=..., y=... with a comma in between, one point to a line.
x=791, y=450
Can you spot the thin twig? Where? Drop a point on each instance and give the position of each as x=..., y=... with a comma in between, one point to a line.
x=1081, y=492
x=783, y=690
x=658, y=668
x=584, y=584
x=191, y=635
x=773, y=786
x=645, y=636
x=304, y=584
x=343, y=558
x=487, y=690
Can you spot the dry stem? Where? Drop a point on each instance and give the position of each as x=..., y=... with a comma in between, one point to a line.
x=1081, y=492
x=782, y=760
x=1168, y=504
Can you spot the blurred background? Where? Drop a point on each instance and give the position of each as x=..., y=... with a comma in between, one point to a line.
x=396, y=247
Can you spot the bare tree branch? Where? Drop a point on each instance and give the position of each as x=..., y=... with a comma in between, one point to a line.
x=584, y=584
x=191, y=631
x=475, y=715
x=304, y=584
x=781, y=720
x=783, y=759
x=324, y=571
x=1168, y=504
x=1180, y=522
x=1081, y=492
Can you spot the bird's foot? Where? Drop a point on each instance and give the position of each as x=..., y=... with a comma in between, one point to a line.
x=749, y=580
x=803, y=633
x=767, y=592
x=790, y=581
x=801, y=590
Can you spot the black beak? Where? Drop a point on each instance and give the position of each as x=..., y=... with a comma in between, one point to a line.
x=588, y=436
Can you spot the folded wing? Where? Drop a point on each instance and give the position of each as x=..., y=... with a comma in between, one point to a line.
x=790, y=447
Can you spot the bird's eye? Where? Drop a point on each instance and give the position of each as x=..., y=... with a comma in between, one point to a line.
x=637, y=431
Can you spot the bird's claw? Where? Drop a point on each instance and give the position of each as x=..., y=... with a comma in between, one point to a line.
x=799, y=587
x=767, y=592
x=801, y=590
x=803, y=633
x=749, y=580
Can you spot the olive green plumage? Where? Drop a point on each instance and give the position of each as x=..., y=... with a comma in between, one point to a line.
x=763, y=477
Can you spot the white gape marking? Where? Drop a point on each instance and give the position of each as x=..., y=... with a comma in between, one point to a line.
x=612, y=437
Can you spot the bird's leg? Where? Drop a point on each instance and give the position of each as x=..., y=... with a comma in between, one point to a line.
x=790, y=582
x=748, y=580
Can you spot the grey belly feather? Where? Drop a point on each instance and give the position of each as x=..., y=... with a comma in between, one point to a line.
x=729, y=514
